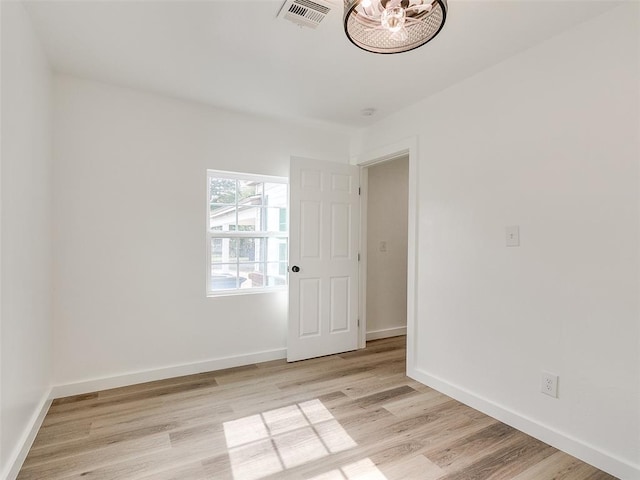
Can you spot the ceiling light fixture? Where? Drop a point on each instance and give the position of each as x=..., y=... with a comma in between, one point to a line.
x=393, y=26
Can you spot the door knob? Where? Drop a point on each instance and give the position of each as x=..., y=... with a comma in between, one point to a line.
x=295, y=269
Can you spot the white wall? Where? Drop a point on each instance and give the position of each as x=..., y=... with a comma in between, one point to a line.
x=387, y=196
x=129, y=236
x=25, y=312
x=548, y=140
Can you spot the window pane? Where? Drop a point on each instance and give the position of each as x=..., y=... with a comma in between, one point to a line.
x=216, y=250
x=259, y=219
x=229, y=250
x=251, y=249
x=241, y=228
x=224, y=269
x=249, y=192
x=222, y=217
x=272, y=220
x=275, y=194
x=277, y=250
x=222, y=190
x=252, y=274
x=224, y=250
x=259, y=275
x=276, y=274
x=250, y=219
x=224, y=277
x=283, y=220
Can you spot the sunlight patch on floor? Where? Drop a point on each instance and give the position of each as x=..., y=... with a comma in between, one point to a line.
x=273, y=441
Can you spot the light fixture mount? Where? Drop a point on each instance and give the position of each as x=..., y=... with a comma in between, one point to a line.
x=393, y=26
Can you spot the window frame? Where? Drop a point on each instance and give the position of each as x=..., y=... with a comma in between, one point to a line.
x=240, y=234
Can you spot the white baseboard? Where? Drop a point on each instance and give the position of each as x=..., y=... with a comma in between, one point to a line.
x=22, y=449
x=585, y=452
x=386, y=333
x=104, y=383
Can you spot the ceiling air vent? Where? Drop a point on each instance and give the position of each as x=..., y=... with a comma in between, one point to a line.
x=304, y=12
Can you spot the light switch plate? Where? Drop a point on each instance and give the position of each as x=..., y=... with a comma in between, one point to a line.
x=513, y=235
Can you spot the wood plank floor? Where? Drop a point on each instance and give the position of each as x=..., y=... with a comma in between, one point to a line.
x=349, y=416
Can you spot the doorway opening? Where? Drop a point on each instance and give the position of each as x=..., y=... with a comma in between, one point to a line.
x=386, y=210
x=407, y=148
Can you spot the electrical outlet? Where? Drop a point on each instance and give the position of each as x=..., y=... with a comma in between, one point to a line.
x=549, y=384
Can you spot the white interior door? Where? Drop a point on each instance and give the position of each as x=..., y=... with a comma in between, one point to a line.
x=323, y=258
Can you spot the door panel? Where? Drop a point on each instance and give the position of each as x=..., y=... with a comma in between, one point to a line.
x=311, y=229
x=324, y=225
x=309, y=314
x=340, y=288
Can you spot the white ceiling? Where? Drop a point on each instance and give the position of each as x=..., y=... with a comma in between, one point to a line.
x=236, y=54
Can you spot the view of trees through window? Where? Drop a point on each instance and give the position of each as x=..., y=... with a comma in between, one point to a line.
x=248, y=231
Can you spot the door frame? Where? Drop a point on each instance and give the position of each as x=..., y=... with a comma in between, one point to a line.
x=407, y=147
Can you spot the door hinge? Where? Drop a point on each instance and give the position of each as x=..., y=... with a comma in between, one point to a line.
x=359, y=191
x=358, y=322
x=358, y=256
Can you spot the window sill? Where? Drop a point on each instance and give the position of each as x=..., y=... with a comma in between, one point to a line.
x=253, y=291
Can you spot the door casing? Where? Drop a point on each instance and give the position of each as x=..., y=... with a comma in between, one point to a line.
x=392, y=151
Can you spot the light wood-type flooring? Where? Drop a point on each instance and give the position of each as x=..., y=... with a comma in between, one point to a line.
x=349, y=416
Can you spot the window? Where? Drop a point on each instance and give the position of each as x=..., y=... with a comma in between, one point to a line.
x=247, y=232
